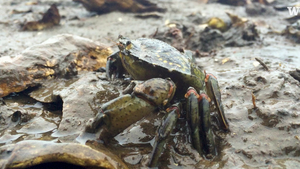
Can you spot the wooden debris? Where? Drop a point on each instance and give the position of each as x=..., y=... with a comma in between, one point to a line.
x=262, y=63
x=106, y=6
x=50, y=18
x=148, y=15
x=225, y=60
x=253, y=100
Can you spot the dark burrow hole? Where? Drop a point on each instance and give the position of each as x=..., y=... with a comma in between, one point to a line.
x=24, y=98
x=55, y=106
x=295, y=74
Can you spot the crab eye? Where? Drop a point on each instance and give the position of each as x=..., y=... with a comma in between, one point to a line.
x=128, y=45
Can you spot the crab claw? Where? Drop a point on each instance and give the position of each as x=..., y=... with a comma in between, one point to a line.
x=213, y=91
x=114, y=68
x=92, y=124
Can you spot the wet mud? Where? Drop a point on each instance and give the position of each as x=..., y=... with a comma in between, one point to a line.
x=47, y=96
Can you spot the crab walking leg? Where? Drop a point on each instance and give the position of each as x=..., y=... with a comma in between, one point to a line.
x=164, y=131
x=213, y=91
x=198, y=114
x=205, y=123
x=114, y=68
x=194, y=118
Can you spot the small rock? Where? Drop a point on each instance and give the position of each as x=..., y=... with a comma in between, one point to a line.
x=255, y=9
x=283, y=112
x=295, y=74
x=270, y=161
x=247, y=154
x=133, y=159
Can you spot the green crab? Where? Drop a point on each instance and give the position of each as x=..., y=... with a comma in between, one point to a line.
x=166, y=74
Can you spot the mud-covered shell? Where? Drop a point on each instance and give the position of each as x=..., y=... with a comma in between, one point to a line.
x=31, y=153
x=150, y=58
x=161, y=54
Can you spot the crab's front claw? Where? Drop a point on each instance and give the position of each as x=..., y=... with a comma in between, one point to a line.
x=114, y=67
x=213, y=91
x=95, y=122
x=173, y=113
x=119, y=113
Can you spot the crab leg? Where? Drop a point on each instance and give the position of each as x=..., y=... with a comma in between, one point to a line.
x=213, y=91
x=194, y=118
x=198, y=114
x=207, y=134
x=164, y=131
x=114, y=67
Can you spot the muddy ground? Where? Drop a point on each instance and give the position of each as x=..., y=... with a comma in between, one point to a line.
x=264, y=137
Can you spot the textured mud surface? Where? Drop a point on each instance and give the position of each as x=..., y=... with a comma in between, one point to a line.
x=56, y=109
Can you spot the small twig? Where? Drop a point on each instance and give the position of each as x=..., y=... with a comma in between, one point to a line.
x=262, y=63
x=114, y=43
x=189, y=38
x=253, y=100
x=154, y=34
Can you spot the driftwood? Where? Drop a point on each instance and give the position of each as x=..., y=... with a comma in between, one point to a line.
x=106, y=6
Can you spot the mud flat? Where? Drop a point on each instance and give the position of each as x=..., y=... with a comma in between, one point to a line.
x=265, y=136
